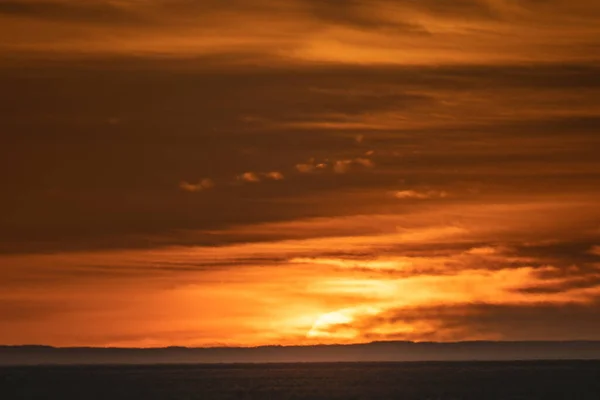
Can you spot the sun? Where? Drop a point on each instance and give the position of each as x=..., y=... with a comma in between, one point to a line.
x=343, y=324
x=322, y=327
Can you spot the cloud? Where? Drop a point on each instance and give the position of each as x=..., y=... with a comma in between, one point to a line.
x=420, y=195
x=356, y=32
x=312, y=165
x=361, y=15
x=342, y=166
x=256, y=177
x=482, y=321
x=483, y=251
x=590, y=281
x=99, y=12
x=274, y=175
x=250, y=177
x=392, y=264
x=350, y=278
x=398, y=308
x=365, y=162
x=465, y=9
x=203, y=184
x=305, y=168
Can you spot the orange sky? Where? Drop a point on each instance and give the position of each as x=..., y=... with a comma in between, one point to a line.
x=192, y=173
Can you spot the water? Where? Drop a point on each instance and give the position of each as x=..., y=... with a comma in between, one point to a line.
x=463, y=380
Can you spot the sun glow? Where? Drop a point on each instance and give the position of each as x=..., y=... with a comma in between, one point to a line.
x=339, y=324
x=323, y=325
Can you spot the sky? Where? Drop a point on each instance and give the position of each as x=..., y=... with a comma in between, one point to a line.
x=241, y=173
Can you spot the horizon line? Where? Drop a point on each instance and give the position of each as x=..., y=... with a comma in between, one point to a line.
x=407, y=342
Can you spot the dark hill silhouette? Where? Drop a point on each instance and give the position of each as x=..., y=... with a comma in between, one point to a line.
x=376, y=351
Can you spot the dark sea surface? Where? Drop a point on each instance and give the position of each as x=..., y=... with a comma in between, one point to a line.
x=431, y=380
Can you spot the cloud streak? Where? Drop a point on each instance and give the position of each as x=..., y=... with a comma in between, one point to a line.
x=433, y=283
x=420, y=195
x=377, y=31
x=203, y=184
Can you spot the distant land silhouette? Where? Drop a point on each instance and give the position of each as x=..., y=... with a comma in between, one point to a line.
x=370, y=352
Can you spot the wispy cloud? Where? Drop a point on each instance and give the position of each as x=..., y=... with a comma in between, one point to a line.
x=203, y=184
x=365, y=162
x=250, y=177
x=420, y=195
x=305, y=167
x=95, y=12
x=341, y=166
x=313, y=165
x=382, y=31
x=256, y=177
x=274, y=175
